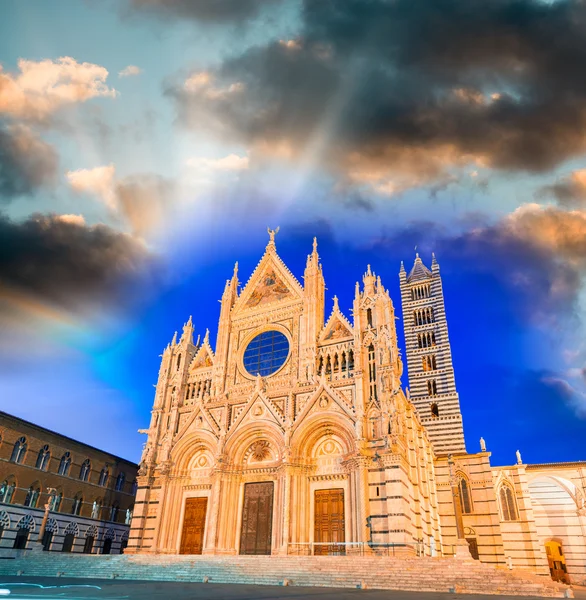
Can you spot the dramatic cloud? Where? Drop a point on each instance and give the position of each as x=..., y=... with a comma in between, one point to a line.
x=395, y=93
x=216, y=11
x=42, y=88
x=52, y=263
x=26, y=162
x=569, y=191
x=576, y=399
x=140, y=200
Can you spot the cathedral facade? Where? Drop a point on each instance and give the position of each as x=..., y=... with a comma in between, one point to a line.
x=295, y=435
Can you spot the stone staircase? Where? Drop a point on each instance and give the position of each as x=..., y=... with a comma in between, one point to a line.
x=374, y=572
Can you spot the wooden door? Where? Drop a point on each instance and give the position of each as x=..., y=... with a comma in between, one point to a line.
x=257, y=518
x=194, y=523
x=557, y=562
x=329, y=521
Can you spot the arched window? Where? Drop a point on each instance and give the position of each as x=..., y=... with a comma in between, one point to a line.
x=434, y=411
x=19, y=451
x=120, y=482
x=77, y=504
x=55, y=501
x=369, y=316
x=320, y=365
x=7, y=490
x=25, y=526
x=4, y=522
x=104, y=474
x=350, y=361
x=43, y=458
x=65, y=464
x=464, y=491
x=114, y=512
x=32, y=496
x=178, y=362
x=84, y=472
x=71, y=531
x=508, y=504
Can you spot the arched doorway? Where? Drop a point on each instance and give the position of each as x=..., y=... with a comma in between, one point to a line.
x=557, y=561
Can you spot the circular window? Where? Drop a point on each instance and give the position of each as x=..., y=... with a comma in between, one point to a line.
x=266, y=353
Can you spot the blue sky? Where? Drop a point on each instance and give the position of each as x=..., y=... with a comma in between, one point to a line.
x=145, y=146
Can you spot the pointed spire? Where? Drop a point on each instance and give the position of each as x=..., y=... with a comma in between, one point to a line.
x=187, y=335
x=419, y=270
x=357, y=290
x=174, y=340
x=314, y=245
x=434, y=263
x=206, y=337
x=198, y=340
x=336, y=307
x=369, y=280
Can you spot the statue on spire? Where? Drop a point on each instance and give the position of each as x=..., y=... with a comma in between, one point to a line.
x=272, y=233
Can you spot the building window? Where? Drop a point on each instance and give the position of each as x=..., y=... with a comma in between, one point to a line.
x=266, y=353
x=120, y=482
x=434, y=411
x=65, y=464
x=508, y=504
x=179, y=362
x=84, y=472
x=134, y=488
x=77, y=504
x=114, y=509
x=32, y=496
x=4, y=523
x=25, y=526
x=372, y=372
x=55, y=501
x=429, y=362
x=19, y=451
x=43, y=458
x=369, y=316
x=7, y=490
x=104, y=474
x=464, y=491
x=432, y=387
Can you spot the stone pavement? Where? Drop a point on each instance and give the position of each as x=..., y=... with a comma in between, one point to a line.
x=38, y=588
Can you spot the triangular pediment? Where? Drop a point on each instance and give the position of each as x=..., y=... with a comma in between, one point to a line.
x=258, y=408
x=325, y=398
x=337, y=328
x=270, y=282
x=204, y=357
x=199, y=419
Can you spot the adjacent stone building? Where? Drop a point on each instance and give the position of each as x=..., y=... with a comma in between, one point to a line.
x=295, y=435
x=89, y=493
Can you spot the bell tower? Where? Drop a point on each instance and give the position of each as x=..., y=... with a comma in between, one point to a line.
x=429, y=358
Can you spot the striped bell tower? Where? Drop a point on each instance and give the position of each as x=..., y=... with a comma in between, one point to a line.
x=429, y=358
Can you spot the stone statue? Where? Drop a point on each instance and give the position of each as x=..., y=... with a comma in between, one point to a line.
x=128, y=516
x=272, y=233
x=95, y=510
x=482, y=445
x=519, y=461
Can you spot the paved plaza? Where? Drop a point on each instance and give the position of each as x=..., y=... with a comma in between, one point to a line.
x=99, y=589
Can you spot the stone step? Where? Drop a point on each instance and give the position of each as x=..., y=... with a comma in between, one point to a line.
x=423, y=574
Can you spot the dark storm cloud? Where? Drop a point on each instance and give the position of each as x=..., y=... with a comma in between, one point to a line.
x=569, y=191
x=409, y=87
x=207, y=11
x=59, y=262
x=26, y=162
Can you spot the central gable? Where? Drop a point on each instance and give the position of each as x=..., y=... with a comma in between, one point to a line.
x=270, y=282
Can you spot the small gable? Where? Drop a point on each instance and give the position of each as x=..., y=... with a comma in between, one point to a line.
x=337, y=326
x=204, y=357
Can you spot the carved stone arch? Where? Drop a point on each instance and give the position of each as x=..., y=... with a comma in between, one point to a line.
x=52, y=526
x=110, y=534
x=27, y=522
x=321, y=425
x=72, y=528
x=183, y=453
x=238, y=446
x=91, y=532
x=369, y=338
x=4, y=520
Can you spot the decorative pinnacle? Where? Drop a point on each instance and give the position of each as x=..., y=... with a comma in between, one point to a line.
x=315, y=245
x=235, y=270
x=206, y=337
x=174, y=340
x=336, y=307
